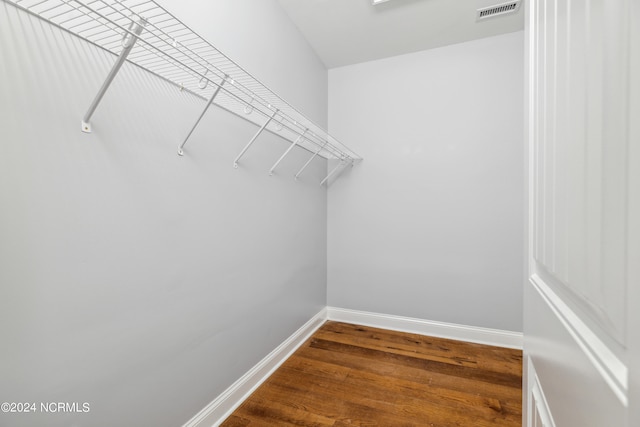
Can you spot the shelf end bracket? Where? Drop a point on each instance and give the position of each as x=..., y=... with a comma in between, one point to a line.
x=333, y=171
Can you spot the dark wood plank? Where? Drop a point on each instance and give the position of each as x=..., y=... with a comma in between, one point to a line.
x=392, y=402
x=321, y=398
x=266, y=409
x=428, y=378
x=431, y=348
x=489, y=376
x=354, y=375
x=236, y=421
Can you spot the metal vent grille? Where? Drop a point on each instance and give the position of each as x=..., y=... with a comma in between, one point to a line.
x=497, y=10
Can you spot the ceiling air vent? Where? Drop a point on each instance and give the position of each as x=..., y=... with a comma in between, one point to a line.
x=498, y=10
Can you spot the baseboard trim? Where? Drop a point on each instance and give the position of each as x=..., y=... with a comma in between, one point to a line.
x=494, y=337
x=221, y=407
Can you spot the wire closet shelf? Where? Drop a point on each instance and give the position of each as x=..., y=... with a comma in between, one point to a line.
x=144, y=33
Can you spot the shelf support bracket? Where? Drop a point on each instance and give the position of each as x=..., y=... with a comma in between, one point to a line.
x=287, y=152
x=244, y=150
x=128, y=41
x=333, y=171
x=309, y=161
x=206, y=107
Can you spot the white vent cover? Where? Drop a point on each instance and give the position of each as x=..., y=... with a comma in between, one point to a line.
x=498, y=10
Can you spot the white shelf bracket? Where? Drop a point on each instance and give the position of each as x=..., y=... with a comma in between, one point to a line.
x=128, y=40
x=333, y=171
x=275, y=165
x=244, y=150
x=309, y=162
x=206, y=107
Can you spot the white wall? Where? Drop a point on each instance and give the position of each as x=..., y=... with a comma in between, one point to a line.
x=430, y=224
x=135, y=280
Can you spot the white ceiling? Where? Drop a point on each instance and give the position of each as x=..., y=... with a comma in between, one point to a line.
x=345, y=32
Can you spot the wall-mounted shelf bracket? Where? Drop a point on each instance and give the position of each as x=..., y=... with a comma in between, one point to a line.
x=128, y=40
x=275, y=165
x=308, y=162
x=206, y=107
x=244, y=150
x=333, y=171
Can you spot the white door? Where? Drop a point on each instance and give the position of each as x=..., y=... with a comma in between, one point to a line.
x=581, y=329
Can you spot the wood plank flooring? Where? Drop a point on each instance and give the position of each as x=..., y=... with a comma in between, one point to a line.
x=350, y=375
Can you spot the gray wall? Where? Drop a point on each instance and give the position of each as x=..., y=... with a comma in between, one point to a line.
x=130, y=278
x=430, y=224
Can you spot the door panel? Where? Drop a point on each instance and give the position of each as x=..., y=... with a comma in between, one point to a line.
x=580, y=142
x=581, y=171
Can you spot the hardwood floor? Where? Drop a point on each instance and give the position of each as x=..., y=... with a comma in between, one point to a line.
x=350, y=375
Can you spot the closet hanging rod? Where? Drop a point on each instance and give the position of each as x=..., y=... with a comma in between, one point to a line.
x=171, y=50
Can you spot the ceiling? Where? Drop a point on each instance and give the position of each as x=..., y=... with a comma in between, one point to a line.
x=344, y=32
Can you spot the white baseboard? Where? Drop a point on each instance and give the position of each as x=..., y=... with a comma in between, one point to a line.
x=473, y=334
x=220, y=408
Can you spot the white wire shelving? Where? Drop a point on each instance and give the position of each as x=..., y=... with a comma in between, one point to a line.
x=144, y=33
